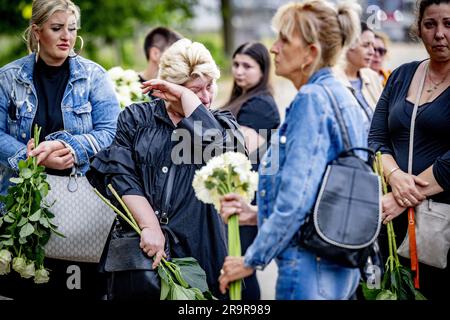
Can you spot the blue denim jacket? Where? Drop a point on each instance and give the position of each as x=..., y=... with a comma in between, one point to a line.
x=89, y=106
x=292, y=169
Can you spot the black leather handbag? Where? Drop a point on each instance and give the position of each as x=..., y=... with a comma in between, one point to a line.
x=346, y=218
x=129, y=270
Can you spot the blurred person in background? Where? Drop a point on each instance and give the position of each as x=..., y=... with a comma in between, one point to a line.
x=381, y=42
x=252, y=103
x=155, y=43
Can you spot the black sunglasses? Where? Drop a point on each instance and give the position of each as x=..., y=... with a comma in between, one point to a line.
x=381, y=51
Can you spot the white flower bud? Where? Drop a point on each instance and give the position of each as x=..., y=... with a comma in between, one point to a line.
x=5, y=260
x=29, y=271
x=19, y=264
x=41, y=276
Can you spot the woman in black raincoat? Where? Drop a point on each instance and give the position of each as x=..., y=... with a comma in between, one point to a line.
x=162, y=143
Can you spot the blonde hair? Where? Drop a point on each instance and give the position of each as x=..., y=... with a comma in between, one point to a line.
x=42, y=10
x=318, y=22
x=186, y=60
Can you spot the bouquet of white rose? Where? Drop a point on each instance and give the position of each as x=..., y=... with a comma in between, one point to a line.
x=127, y=86
x=228, y=173
x=26, y=223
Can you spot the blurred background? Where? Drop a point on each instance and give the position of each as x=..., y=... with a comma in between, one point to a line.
x=114, y=32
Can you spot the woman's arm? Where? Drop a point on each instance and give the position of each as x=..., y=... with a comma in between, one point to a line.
x=252, y=139
x=184, y=100
x=152, y=238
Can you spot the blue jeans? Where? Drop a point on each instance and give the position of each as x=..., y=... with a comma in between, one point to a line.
x=304, y=276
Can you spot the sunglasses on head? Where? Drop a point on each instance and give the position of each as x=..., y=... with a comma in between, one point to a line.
x=381, y=51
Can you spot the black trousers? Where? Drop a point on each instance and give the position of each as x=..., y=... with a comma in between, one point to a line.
x=68, y=280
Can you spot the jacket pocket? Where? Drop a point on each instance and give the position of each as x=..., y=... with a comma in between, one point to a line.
x=336, y=282
x=82, y=119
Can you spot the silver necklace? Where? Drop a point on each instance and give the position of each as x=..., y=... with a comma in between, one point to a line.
x=434, y=84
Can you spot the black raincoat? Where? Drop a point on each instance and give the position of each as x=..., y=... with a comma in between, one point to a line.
x=139, y=160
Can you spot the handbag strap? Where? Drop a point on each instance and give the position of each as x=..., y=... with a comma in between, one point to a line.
x=167, y=206
x=411, y=219
x=339, y=117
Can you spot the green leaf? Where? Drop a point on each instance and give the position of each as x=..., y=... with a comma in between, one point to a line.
x=369, y=294
x=26, y=230
x=22, y=221
x=22, y=164
x=180, y=293
x=43, y=189
x=22, y=240
x=16, y=180
x=192, y=273
x=5, y=236
x=165, y=288
x=35, y=216
x=418, y=295
x=177, y=273
x=26, y=173
x=8, y=219
x=44, y=222
x=386, y=295
x=198, y=294
x=8, y=242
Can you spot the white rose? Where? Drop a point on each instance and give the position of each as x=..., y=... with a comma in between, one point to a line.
x=41, y=276
x=130, y=76
x=5, y=261
x=19, y=264
x=29, y=271
x=115, y=73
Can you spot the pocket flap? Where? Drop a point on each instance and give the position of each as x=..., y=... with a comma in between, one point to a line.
x=84, y=108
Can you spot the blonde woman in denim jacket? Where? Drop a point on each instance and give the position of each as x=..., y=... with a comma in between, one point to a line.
x=311, y=34
x=68, y=96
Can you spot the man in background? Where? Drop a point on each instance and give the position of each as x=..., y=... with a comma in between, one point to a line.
x=156, y=42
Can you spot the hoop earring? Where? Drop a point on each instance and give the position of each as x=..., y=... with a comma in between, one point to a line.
x=302, y=69
x=81, y=47
x=38, y=49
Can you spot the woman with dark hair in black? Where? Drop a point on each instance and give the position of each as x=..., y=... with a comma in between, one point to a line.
x=252, y=103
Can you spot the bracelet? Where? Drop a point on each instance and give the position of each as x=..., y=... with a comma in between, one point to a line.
x=390, y=173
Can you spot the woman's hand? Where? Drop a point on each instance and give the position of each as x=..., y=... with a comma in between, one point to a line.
x=233, y=269
x=167, y=91
x=391, y=208
x=152, y=243
x=234, y=204
x=60, y=160
x=405, y=190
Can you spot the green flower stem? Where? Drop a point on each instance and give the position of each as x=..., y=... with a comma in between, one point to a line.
x=118, y=198
x=133, y=223
x=30, y=201
x=124, y=217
